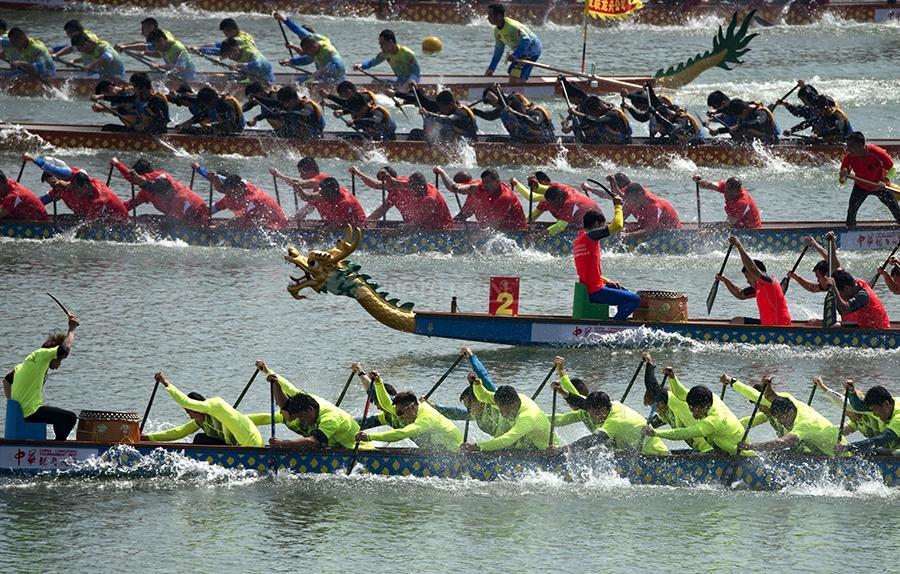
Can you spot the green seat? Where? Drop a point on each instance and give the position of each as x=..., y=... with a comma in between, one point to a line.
x=582, y=308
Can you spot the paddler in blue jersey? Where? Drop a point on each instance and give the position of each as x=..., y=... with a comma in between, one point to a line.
x=524, y=43
x=401, y=59
x=316, y=49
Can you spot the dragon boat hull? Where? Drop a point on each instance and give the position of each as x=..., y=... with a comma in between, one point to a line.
x=464, y=87
x=455, y=12
x=346, y=146
x=22, y=457
x=552, y=330
x=391, y=239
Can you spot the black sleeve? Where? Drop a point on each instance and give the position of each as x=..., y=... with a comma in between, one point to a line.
x=598, y=234
x=749, y=291
x=489, y=115
x=651, y=383
x=62, y=352
x=9, y=376
x=120, y=99
x=576, y=94
x=320, y=436
x=858, y=301
x=766, y=278
x=368, y=422
x=343, y=102
x=639, y=116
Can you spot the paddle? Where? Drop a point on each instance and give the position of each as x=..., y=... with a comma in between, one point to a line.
x=699, y=219
x=544, y=382
x=872, y=284
x=340, y=398
x=158, y=140
x=601, y=186
x=133, y=206
x=659, y=392
x=784, y=97
x=272, y=462
x=383, y=199
x=246, y=388
x=575, y=74
x=812, y=393
x=576, y=123
x=277, y=194
x=216, y=61
x=61, y=306
x=444, y=376
x=456, y=195
x=786, y=280
x=33, y=73
x=149, y=404
x=287, y=44
x=25, y=161
x=193, y=173
x=353, y=184
x=711, y=298
x=890, y=187
x=843, y=415
x=633, y=379
x=729, y=477
x=829, y=312
x=466, y=428
x=356, y=446
x=109, y=175
x=552, y=420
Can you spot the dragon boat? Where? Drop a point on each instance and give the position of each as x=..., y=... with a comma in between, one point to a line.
x=77, y=458
x=390, y=238
x=567, y=12
x=331, y=272
x=463, y=86
x=729, y=45
x=487, y=150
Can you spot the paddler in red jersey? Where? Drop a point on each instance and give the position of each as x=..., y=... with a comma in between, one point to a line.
x=740, y=209
x=251, y=206
x=18, y=202
x=773, y=309
x=87, y=197
x=168, y=195
x=871, y=163
x=491, y=201
x=857, y=303
x=323, y=193
x=419, y=202
x=587, y=254
x=653, y=214
x=566, y=203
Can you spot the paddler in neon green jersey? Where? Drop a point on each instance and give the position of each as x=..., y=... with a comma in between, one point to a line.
x=524, y=43
x=865, y=422
x=670, y=410
x=237, y=428
x=317, y=421
x=530, y=427
x=807, y=431
x=610, y=422
x=424, y=425
x=713, y=421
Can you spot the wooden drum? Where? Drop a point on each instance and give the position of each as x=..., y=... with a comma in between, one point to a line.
x=662, y=307
x=108, y=427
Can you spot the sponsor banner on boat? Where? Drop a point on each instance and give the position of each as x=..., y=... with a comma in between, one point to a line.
x=862, y=240
x=557, y=334
x=887, y=15
x=22, y=457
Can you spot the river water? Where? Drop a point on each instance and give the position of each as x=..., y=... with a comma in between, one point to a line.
x=203, y=315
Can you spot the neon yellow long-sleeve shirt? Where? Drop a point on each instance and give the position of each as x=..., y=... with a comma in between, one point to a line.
x=678, y=414
x=720, y=427
x=237, y=428
x=530, y=427
x=622, y=425
x=334, y=424
x=431, y=430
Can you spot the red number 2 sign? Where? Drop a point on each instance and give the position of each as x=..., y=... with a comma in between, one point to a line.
x=504, y=296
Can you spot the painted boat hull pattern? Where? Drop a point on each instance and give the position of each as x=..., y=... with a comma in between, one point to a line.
x=392, y=240
x=345, y=146
x=756, y=473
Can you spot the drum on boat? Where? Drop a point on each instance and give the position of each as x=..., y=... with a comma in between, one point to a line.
x=662, y=306
x=108, y=427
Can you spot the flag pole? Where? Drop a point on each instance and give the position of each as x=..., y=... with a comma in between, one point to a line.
x=584, y=18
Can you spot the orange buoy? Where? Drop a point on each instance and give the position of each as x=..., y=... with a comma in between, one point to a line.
x=432, y=45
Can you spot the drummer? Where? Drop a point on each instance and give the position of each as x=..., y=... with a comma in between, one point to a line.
x=773, y=309
x=236, y=428
x=25, y=383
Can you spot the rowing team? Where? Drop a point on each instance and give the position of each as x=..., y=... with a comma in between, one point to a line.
x=512, y=419
x=28, y=55
x=492, y=202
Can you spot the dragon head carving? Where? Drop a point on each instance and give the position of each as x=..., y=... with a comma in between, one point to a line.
x=321, y=268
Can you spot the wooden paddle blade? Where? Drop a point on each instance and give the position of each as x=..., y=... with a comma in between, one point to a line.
x=711, y=298
x=829, y=313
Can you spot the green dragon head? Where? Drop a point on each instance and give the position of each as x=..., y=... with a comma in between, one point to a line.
x=322, y=269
